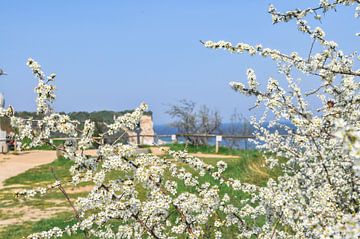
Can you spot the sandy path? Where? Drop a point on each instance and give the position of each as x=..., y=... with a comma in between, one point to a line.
x=157, y=151
x=219, y=156
x=12, y=165
x=26, y=214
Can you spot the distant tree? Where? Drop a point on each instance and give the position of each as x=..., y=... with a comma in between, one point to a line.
x=189, y=120
x=100, y=118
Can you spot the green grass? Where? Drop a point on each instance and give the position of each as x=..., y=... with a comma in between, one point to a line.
x=27, y=228
x=247, y=168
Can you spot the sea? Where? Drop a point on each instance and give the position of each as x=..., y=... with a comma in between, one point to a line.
x=167, y=129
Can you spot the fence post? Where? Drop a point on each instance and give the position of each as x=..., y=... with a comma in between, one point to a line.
x=173, y=138
x=217, y=144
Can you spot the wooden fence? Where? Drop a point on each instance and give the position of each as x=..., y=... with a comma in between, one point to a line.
x=176, y=137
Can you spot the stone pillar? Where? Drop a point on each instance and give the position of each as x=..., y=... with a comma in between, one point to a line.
x=3, y=145
x=147, y=132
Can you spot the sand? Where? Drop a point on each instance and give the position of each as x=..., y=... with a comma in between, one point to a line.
x=157, y=151
x=13, y=164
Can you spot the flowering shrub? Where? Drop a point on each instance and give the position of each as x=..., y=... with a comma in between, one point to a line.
x=316, y=197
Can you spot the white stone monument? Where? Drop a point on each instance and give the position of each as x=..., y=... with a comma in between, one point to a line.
x=146, y=133
x=3, y=144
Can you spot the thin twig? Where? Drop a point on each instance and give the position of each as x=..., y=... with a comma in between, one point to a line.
x=61, y=188
x=311, y=48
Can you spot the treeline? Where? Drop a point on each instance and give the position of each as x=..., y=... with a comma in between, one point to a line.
x=106, y=116
x=101, y=118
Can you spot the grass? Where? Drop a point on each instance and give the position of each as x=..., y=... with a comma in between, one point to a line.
x=25, y=229
x=247, y=168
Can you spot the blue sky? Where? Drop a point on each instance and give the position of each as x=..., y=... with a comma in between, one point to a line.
x=115, y=54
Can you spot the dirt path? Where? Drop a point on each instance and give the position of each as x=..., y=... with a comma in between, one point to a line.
x=26, y=214
x=12, y=165
x=219, y=156
x=157, y=151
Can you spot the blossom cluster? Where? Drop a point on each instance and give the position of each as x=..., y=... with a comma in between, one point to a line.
x=45, y=90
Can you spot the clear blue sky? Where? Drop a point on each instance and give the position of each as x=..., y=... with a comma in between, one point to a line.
x=114, y=54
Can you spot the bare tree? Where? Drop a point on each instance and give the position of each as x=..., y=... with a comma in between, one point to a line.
x=190, y=120
x=239, y=125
